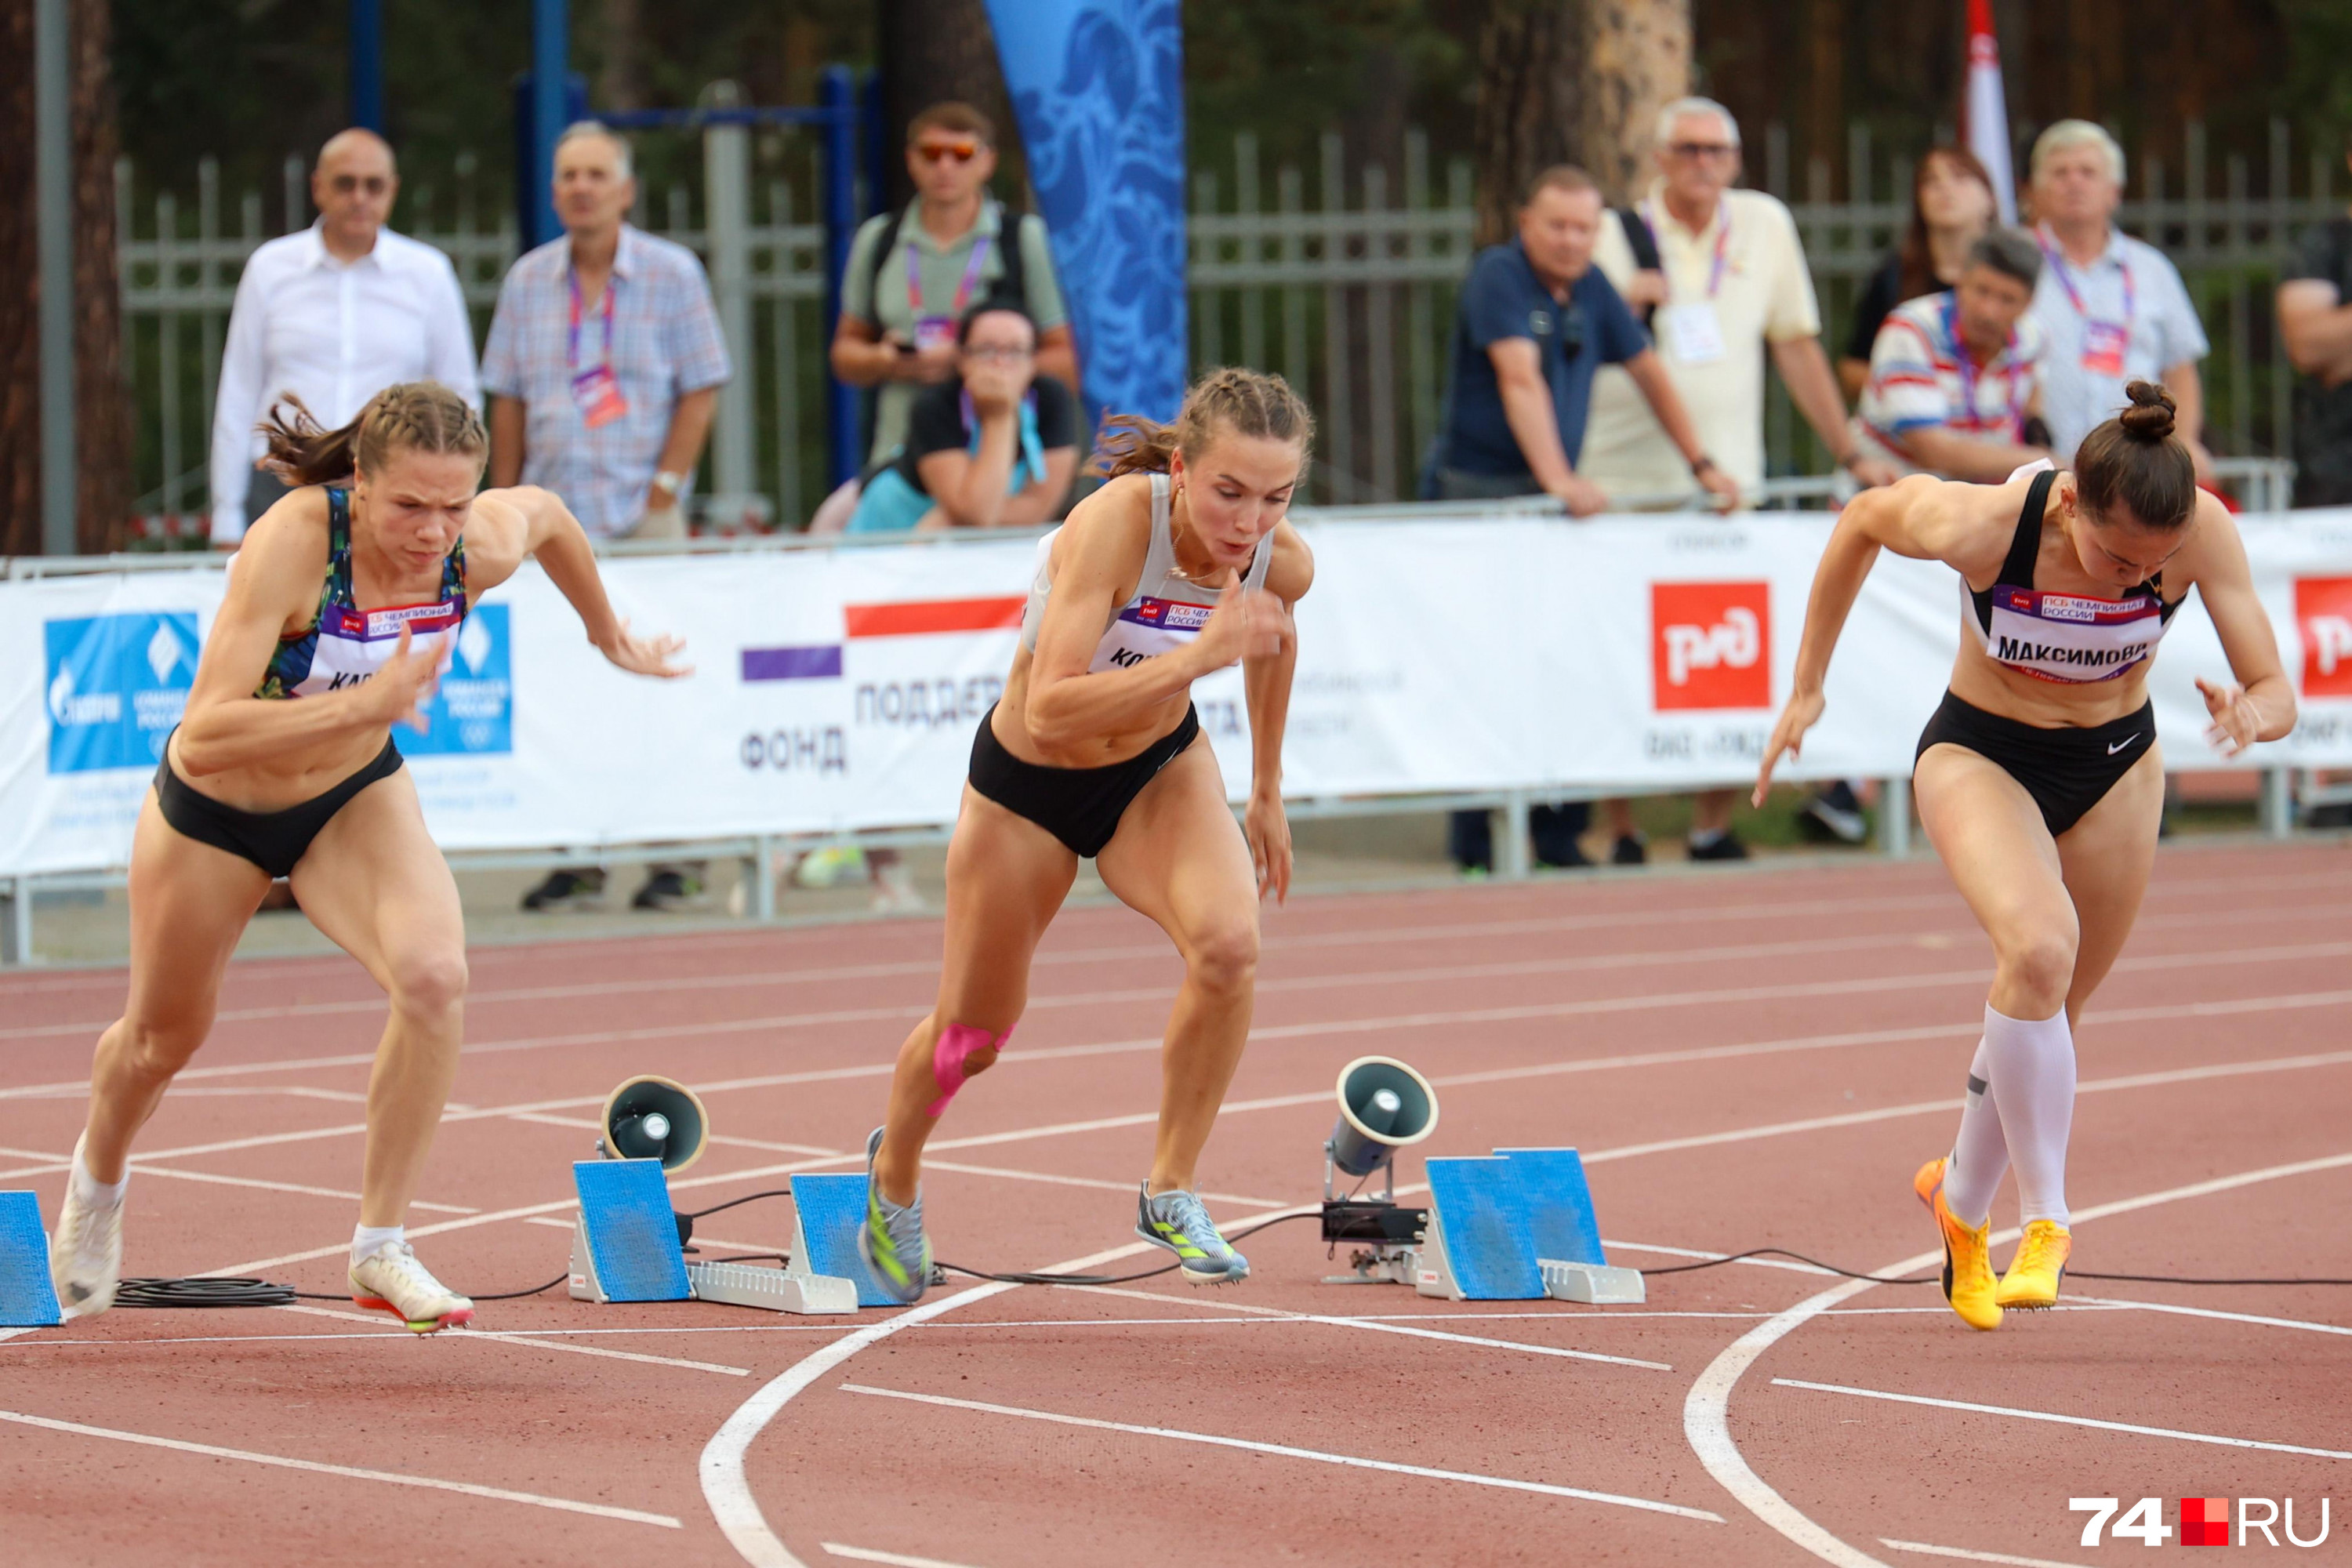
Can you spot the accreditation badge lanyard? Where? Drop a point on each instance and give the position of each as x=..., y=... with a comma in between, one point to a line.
x=2103, y=341
x=938, y=332
x=1967, y=371
x=1692, y=330
x=596, y=391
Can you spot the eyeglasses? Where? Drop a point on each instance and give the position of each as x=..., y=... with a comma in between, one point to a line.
x=997, y=353
x=1702, y=149
x=344, y=184
x=940, y=151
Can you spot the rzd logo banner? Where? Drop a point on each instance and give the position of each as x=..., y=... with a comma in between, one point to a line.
x=116, y=687
x=2323, y=617
x=1710, y=645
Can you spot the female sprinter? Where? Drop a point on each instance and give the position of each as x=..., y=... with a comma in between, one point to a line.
x=2039, y=778
x=1179, y=566
x=252, y=786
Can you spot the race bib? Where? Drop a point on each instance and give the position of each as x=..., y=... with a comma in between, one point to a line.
x=597, y=393
x=2103, y=347
x=1693, y=333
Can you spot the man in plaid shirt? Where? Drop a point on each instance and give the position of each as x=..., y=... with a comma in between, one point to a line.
x=603, y=368
x=605, y=358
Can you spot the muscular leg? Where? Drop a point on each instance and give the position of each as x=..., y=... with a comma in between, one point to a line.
x=1006, y=879
x=2106, y=858
x=374, y=881
x=189, y=904
x=1179, y=858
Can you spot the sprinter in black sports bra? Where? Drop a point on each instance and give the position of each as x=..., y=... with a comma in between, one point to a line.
x=2039, y=779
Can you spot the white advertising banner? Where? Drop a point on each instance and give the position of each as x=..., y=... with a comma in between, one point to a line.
x=840, y=688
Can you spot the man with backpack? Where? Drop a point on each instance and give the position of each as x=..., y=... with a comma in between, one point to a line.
x=913, y=274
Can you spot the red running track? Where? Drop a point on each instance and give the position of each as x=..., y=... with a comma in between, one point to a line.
x=1747, y=1060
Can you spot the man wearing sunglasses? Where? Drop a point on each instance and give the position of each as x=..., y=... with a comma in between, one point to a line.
x=914, y=274
x=333, y=313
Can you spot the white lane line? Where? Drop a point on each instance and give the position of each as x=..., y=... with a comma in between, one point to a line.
x=1707, y=1408
x=896, y=1559
x=502, y=1337
x=1964, y=1555
x=2306, y=1325
x=390, y=1478
x=1096, y=1182
x=58, y=1164
x=1647, y=1505
x=2052, y=1416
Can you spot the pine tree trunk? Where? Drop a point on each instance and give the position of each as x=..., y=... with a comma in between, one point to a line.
x=621, y=78
x=102, y=398
x=20, y=332
x=1637, y=60
x=932, y=52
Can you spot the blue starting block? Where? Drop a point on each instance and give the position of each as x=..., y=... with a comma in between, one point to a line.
x=28, y=1299
x=826, y=1213
x=624, y=1247
x=1516, y=1226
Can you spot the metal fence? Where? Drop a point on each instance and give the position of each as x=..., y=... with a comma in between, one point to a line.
x=1351, y=297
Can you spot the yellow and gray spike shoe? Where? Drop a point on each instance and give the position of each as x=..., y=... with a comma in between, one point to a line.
x=1968, y=1253
x=1176, y=1221
x=896, y=1252
x=2039, y=1267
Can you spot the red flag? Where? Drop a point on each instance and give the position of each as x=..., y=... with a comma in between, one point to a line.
x=1986, y=112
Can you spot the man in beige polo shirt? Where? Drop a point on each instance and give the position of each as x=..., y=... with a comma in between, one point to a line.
x=1731, y=283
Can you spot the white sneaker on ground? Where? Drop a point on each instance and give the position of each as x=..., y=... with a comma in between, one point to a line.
x=85, y=1256
x=390, y=1279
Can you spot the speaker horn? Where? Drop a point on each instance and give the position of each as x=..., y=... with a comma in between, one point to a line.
x=654, y=1118
x=1383, y=1106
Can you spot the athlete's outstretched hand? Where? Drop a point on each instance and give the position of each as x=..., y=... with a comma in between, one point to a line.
x=1248, y=623
x=645, y=656
x=2237, y=723
x=1803, y=712
x=400, y=686
x=1267, y=827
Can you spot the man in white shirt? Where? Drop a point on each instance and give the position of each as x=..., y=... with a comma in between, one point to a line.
x=333, y=314
x=2114, y=307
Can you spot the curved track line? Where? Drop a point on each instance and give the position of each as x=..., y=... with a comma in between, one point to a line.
x=1707, y=1408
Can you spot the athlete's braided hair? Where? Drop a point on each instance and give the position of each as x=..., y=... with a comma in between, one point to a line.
x=408, y=417
x=1245, y=402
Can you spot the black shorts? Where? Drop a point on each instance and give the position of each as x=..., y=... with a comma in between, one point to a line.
x=1080, y=807
x=273, y=840
x=2066, y=771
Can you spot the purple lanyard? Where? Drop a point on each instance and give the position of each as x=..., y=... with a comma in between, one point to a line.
x=1722, y=242
x=964, y=288
x=2066, y=278
x=1967, y=370
x=572, y=355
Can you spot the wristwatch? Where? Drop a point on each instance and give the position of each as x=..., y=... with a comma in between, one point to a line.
x=1701, y=464
x=674, y=483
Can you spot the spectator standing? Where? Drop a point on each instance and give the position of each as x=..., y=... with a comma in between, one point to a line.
x=604, y=366
x=1955, y=377
x=2314, y=314
x=1730, y=284
x=994, y=446
x=1952, y=204
x=2113, y=307
x=1534, y=324
x=912, y=275
x=333, y=314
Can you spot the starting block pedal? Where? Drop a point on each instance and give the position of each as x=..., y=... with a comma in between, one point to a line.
x=624, y=1247
x=1516, y=1226
x=28, y=1298
x=827, y=1211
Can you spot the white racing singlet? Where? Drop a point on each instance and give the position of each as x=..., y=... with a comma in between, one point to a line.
x=345, y=643
x=2064, y=637
x=1167, y=612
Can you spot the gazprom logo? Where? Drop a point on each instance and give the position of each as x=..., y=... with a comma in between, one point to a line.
x=117, y=685
x=473, y=711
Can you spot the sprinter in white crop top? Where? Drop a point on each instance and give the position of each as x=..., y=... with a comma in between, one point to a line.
x=1180, y=565
x=2039, y=778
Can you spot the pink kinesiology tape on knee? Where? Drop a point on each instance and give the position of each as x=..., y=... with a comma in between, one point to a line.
x=952, y=1051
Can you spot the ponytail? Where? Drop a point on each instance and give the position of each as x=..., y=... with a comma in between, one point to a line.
x=1245, y=401
x=413, y=416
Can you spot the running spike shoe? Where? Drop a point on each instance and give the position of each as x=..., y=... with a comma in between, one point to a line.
x=896, y=1252
x=390, y=1279
x=1968, y=1253
x=2039, y=1267
x=85, y=1256
x=1176, y=1221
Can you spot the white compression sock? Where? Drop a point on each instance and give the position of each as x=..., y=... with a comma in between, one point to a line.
x=1980, y=1153
x=2033, y=1076
x=367, y=1238
x=90, y=1190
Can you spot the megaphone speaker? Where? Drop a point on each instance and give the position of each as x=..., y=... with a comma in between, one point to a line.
x=1383, y=1106
x=654, y=1118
